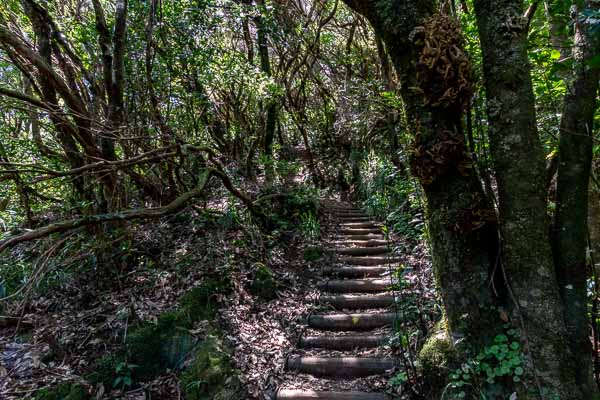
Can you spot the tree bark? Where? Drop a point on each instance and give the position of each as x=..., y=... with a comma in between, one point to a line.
x=519, y=164
x=265, y=65
x=462, y=234
x=570, y=224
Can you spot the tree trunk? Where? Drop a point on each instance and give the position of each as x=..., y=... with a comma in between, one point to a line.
x=265, y=64
x=462, y=234
x=519, y=163
x=570, y=229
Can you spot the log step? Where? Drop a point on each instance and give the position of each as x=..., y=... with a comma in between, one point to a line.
x=341, y=343
x=360, y=243
x=349, y=322
x=349, y=213
x=355, y=271
x=354, y=219
x=372, y=236
x=334, y=208
x=360, y=251
x=373, y=260
x=358, y=302
x=299, y=394
x=340, y=367
x=359, y=231
x=355, y=285
x=356, y=225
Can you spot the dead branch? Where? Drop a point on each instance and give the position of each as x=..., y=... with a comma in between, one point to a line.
x=147, y=213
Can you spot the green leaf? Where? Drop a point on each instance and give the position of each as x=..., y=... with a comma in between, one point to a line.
x=555, y=54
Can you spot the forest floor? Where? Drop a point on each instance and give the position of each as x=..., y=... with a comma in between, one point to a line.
x=64, y=329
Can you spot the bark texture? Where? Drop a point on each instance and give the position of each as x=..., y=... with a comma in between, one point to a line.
x=519, y=163
x=462, y=235
x=574, y=163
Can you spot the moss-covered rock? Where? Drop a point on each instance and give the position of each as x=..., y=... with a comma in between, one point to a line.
x=211, y=375
x=63, y=391
x=264, y=284
x=312, y=253
x=153, y=348
x=200, y=303
x=437, y=359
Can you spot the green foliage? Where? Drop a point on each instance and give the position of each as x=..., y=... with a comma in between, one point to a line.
x=124, y=372
x=492, y=372
x=105, y=369
x=211, y=375
x=14, y=273
x=390, y=195
x=309, y=226
x=297, y=211
x=63, y=391
x=264, y=284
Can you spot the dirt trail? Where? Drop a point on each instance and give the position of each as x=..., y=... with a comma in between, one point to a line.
x=347, y=340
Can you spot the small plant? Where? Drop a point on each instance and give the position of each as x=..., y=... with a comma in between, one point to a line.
x=398, y=380
x=123, y=372
x=309, y=226
x=264, y=284
x=492, y=371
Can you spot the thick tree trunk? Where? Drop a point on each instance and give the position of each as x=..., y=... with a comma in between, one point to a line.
x=574, y=163
x=462, y=234
x=519, y=163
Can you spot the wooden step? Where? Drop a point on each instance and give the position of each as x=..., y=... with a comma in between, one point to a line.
x=342, y=208
x=349, y=322
x=348, y=212
x=301, y=394
x=368, y=237
x=341, y=343
x=359, y=231
x=360, y=225
x=340, y=367
x=370, y=260
x=355, y=271
x=355, y=285
x=354, y=219
x=360, y=243
x=360, y=251
x=358, y=302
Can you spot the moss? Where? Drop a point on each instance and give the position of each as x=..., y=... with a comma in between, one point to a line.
x=144, y=349
x=264, y=284
x=436, y=359
x=153, y=348
x=201, y=302
x=312, y=253
x=63, y=391
x=211, y=375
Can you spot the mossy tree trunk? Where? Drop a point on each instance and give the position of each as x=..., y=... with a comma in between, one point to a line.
x=519, y=165
x=570, y=229
x=463, y=238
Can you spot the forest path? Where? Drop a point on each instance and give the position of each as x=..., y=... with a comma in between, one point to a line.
x=348, y=338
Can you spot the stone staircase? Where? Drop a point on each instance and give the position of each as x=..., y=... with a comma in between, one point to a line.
x=358, y=313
